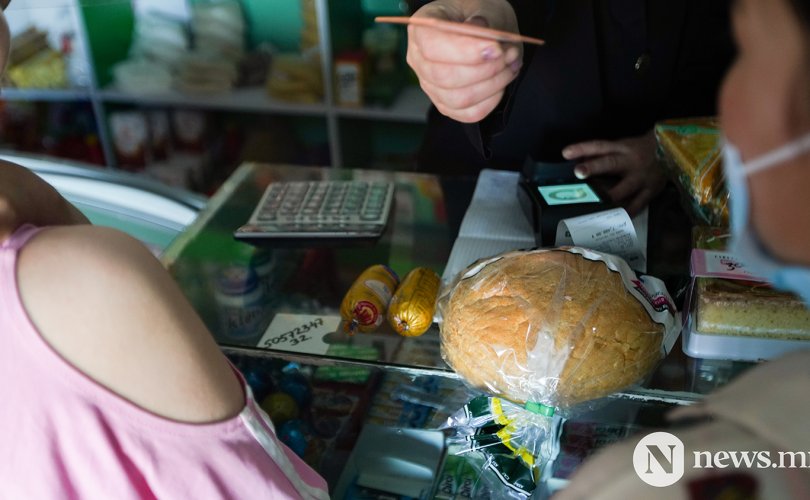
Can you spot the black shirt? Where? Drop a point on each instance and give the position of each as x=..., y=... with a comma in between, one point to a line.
x=610, y=69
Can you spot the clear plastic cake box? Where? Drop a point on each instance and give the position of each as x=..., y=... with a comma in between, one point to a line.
x=736, y=347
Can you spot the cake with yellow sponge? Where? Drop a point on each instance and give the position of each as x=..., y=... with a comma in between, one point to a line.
x=744, y=308
x=692, y=150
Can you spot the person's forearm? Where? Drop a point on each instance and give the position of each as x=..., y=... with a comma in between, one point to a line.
x=25, y=198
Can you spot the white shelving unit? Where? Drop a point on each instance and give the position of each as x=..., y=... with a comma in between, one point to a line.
x=410, y=107
x=52, y=95
x=242, y=100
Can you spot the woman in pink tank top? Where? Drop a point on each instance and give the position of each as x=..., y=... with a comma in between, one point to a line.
x=111, y=386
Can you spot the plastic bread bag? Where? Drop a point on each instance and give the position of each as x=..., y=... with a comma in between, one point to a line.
x=543, y=331
x=509, y=444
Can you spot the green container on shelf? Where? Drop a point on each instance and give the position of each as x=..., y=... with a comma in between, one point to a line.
x=109, y=31
x=385, y=7
x=278, y=22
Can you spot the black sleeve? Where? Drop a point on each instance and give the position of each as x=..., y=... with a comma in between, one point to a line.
x=531, y=16
x=706, y=52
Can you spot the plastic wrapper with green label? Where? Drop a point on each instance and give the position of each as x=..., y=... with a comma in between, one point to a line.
x=544, y=332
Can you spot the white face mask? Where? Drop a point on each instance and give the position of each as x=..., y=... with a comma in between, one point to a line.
x=745, y=244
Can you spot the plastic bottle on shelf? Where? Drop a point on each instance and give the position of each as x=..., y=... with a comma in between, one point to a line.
x=77, y=71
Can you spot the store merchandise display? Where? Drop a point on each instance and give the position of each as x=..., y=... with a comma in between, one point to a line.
x=218, y=34
x=370, y=74
x=158, y=44
x=402, y=404
x=373, y=73
x=208, y=55
x=322, y=412
x=33, y=63
x=205, y=74
x=317, y=417
x=165, y=145
x=218, y=29
x=203, y=59
x=364, y=306
x=410, y=312
x=154, y=53
x=377, y=294
x=160, y=39
x=141, y=76
x=351, y=75
x=62, y=129
x=297, y=77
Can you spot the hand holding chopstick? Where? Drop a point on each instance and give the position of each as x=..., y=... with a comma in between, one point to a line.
x=465, y=53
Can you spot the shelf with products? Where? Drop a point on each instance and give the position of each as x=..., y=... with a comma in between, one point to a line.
x=197, y=149
x=300, y=32
x=99, y=36
x=47, y=97
x=60, y=128
x=334, y=416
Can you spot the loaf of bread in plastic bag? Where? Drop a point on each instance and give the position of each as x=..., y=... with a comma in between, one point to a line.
x=548, y=326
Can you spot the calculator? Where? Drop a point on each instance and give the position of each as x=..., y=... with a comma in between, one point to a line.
x=320, y=210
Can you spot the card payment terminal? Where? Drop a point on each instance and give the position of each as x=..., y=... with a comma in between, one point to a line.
x=550, y=192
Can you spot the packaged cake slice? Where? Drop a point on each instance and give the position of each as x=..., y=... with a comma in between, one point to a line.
x=725, y=301
x=692, y=151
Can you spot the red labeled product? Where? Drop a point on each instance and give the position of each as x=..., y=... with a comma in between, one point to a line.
x=364, y=306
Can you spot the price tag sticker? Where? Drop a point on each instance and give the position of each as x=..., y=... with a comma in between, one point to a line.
x=299, y=333
x=714, y=264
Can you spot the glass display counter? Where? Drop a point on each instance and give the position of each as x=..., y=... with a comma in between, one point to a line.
x=274, y=311
x=139, y=206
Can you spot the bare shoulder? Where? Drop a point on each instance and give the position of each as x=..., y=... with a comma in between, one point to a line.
x=92, y=249
x=102, y=300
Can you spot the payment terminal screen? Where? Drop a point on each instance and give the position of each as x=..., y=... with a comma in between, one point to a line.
x=568, y=194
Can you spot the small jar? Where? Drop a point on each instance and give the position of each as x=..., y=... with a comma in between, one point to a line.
x=240, y=297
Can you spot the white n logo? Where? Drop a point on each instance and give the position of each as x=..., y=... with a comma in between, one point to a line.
x=659, y=459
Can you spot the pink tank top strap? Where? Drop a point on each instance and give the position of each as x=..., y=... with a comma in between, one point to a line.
x=20, y=237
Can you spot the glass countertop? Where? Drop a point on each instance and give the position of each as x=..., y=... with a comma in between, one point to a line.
x=248, y=296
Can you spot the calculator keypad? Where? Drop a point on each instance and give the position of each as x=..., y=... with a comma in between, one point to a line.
x=321, y=209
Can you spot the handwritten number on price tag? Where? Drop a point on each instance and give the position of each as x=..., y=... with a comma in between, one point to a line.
x=296, y=335
x=299, y=332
